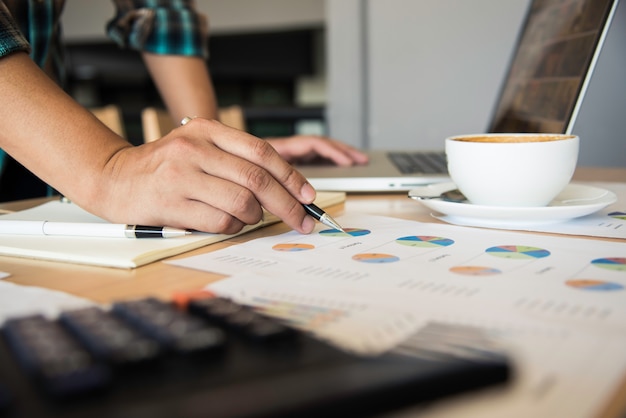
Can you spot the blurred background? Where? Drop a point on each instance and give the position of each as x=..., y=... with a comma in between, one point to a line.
x=373, y=73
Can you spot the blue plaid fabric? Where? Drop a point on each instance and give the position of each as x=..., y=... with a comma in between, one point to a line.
x=160, y=26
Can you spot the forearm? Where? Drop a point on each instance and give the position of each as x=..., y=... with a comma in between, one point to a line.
x=51, y=134
x=184, y=85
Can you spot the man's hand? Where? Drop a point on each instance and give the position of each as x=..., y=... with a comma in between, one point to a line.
x=208, y=177
x=303, y=148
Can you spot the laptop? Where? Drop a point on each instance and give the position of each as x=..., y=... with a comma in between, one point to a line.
x=551, y=66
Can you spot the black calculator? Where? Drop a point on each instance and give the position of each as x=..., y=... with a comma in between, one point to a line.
x=213, y=358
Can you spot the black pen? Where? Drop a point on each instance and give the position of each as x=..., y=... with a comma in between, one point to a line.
x=322, y=216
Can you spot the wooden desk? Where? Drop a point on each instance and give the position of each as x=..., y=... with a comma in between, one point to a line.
x=102, y=284
x=158, y=279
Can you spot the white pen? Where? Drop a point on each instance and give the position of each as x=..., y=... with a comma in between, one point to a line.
x=82, y=229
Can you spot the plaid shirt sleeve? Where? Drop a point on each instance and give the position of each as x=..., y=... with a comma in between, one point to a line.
x=172, y=27
x=11, y=39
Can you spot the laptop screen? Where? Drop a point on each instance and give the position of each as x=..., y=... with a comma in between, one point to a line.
x=555, y=54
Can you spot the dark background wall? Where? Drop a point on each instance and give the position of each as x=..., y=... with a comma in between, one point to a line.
x=257, y=71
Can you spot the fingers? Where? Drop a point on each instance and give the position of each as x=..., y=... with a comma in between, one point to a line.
x=342, y=154
x=207, y=176
x=333, y=148
x=167, y=187
x=357, y=156
x=249, y=168
x=303, y=148
x=251, y=149
x=206, y=218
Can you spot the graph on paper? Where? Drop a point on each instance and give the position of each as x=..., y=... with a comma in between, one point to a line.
x=413, y=258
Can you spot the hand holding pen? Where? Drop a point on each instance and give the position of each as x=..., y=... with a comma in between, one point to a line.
x=310, y=209
x=220, y=186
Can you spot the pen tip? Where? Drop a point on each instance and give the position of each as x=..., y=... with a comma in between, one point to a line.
x=336, y=225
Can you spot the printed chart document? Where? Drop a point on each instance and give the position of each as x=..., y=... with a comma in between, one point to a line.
x=557, y=304
x=112, y=252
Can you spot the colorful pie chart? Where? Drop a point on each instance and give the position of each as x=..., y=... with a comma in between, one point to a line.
x=292, y=247
x=475, y=270
x=378, y=258
x=355, y=232
x=424, y=241
x=594, y=285
x=616, y=263
x=519, y=252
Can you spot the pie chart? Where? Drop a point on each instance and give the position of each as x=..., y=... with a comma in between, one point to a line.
x=292, y=247
x=519, y=252
x=375, y=258
x=475, y=270
x=594, y=285
x=617, y=263
x=424, y=241
x=355, y=232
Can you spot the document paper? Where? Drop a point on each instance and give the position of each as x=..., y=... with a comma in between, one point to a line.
x=557, y=303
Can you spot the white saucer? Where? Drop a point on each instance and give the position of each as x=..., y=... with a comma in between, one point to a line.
x=574, y=201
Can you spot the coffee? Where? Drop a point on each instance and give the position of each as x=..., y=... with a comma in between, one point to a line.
x=507, y=169
x=512, y=138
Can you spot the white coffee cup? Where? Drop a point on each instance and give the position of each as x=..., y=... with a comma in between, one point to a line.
x=519, y=170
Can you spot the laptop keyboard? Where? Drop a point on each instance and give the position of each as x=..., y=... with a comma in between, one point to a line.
x=419, y=162
x=212, y=357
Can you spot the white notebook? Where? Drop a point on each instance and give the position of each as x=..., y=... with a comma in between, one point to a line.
x=113, y=252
